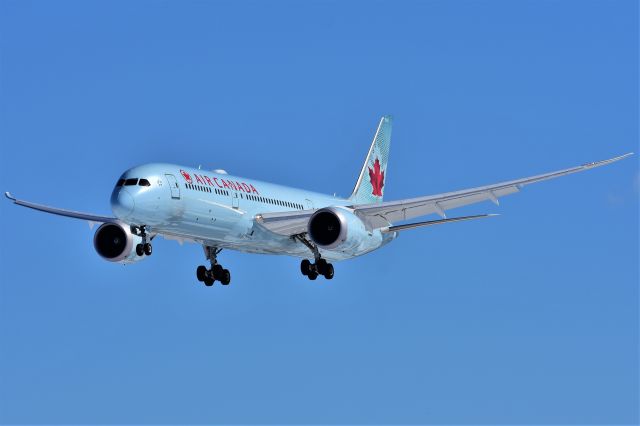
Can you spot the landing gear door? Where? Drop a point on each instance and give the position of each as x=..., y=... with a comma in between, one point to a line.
x=173, y=184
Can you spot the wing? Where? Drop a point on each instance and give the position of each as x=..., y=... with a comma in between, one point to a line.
x=381, y=215
x=285, y=223
x=61, y=212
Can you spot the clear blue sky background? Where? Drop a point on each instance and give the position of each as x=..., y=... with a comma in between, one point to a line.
x=529, y=317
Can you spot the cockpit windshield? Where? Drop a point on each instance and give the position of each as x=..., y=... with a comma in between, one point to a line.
x=133, y=181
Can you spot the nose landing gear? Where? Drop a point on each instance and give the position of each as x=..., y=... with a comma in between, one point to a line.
x=144, y=247
x=216, y=272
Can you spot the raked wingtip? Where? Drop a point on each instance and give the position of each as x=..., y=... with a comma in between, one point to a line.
x=605, y=162
x=9, y=196
x=620, y=157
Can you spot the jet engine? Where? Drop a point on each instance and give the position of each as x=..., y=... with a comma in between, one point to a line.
x=115, y=242
x=335, y=228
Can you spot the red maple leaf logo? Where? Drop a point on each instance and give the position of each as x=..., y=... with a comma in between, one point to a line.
x=186, y=176
x=376, y=177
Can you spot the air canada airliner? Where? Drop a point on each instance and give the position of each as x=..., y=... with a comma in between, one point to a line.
x=220, y=211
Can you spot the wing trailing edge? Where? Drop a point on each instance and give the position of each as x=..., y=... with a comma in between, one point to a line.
x=396, y=228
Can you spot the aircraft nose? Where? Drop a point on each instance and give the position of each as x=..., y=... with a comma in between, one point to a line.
x=122, y=204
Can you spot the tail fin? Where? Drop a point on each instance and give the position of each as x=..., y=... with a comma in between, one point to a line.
x=370, y=185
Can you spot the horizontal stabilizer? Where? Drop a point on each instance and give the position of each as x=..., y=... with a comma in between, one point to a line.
x=433, y=222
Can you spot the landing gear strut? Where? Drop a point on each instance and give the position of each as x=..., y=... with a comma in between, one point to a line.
x=144, y=247
x=216, y=272
x=320, y=267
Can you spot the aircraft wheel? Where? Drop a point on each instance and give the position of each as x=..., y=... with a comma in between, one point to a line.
x=139, y=249
x=328, y=271
x=201, y=273
x=312, y=275
x=208, y=281
x=225, y=278
x=305, y=266
x=321, y=266
x=147, y=249
x=217, y=271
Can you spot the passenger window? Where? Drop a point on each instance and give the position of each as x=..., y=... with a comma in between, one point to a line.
x=144, y=182
x=130, y=182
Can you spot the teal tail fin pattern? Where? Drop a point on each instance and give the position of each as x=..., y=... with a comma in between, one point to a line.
x=371, y=182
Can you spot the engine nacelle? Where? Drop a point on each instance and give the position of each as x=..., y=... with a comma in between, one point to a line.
x=115, y=242
x=334, y=228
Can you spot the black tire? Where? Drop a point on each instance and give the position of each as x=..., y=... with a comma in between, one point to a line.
x=208, y=281
x=312, y=275
x=201, y=273
x=305, y=266
x=147, y=249
x=321, y=266
x=218, y=271
x=225, y=279
x=139, y=250
x=328, y=271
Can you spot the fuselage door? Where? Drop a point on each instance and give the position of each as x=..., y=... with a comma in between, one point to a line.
x=308, y=204
x=235, y=200
x=173, y=184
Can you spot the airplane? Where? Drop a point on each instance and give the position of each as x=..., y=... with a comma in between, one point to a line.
x=221, y=211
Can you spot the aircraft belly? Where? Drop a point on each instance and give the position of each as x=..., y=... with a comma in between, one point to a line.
x=225, y=227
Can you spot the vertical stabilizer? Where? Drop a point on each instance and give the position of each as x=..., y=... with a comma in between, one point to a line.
x=373, y=176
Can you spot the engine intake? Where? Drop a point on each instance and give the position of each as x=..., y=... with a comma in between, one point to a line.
x=336, y=228
x=115, y=242
x=327, y=228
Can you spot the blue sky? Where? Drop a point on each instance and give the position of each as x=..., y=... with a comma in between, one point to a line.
x=530, y=317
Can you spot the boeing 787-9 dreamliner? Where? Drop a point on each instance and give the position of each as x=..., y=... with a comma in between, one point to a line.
x=220, y=211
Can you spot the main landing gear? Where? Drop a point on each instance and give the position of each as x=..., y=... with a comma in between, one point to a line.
x=216, y=272
x=319, y=267
x=144, y=247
